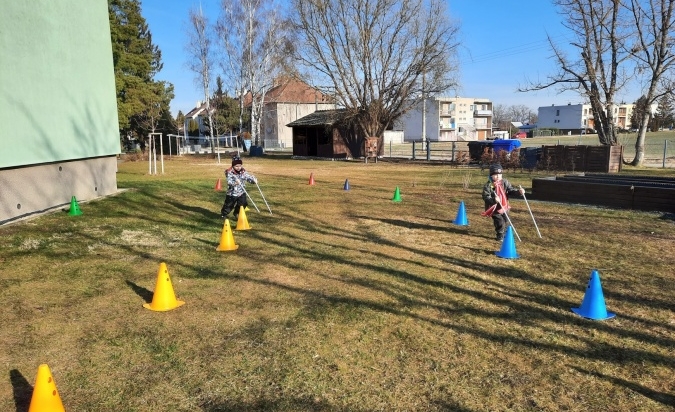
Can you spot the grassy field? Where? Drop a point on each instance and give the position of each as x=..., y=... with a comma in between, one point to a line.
x=339, y=301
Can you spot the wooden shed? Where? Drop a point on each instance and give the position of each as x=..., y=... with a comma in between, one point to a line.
x=324, y=134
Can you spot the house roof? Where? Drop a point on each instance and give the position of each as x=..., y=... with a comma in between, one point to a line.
x=295, y=91
x=289, y=90
x=197, y=111
x=319, y=118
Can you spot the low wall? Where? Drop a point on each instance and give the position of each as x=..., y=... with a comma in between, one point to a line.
x=622, y=192
x=604, y=159
x=33, y=189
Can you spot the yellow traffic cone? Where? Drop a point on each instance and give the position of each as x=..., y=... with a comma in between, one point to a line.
x=242, y=222
x=164, y=298
x=226, y=238
x=45, y=396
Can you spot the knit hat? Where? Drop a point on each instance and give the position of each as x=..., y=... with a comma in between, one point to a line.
x=495, y=169
x=236, y=161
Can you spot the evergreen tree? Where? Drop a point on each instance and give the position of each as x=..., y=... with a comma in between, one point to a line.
x=141, y=101
x=226, y=110
x=663, y=118
x=180, y=118
x=638, y=112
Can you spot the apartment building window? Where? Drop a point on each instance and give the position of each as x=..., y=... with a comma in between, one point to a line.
x=557, y=112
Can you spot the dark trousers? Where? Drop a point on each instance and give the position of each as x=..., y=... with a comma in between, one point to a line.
x=500, y=223
x=235, y=203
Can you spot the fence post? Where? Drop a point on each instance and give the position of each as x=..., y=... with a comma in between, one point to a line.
x=390, y=149
x=428, y=150
x=413, y=156
x=453, y=151
x=665, y=151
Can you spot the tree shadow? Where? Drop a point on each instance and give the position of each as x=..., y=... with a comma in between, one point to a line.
x=660, y=397
x=300, y=404
x=23, y=391
x=197, y=210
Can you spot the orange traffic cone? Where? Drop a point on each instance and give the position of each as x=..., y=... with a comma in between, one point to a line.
x=219, y=186
x=226, y=239
x=311, y=179
x=163, y=299
x=45, y=396
x=242, y=222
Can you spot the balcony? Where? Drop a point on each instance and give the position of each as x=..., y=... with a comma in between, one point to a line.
x=447, y=113
x=482, y=113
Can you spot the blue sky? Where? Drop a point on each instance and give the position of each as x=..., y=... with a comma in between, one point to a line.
x=503, y=45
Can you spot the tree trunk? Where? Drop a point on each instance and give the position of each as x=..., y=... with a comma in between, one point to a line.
x=640, y=142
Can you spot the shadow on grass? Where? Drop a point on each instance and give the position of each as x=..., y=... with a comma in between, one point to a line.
x=209, y=214
x=140, y=291
x=533, y=307
x=300, y=404
x=660, y=397
x=23, y=390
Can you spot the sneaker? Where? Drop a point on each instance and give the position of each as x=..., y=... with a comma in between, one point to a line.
x=500, y=237
x=235, y=218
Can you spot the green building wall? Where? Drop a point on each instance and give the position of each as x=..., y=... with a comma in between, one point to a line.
x=58, y=114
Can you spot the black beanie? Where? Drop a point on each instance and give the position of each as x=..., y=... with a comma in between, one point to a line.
x=236, y=161
x=495, y=168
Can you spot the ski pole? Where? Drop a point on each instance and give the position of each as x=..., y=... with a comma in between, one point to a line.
x=528, y=208
x=263, y=197
x=510, y=222
x=247, y=195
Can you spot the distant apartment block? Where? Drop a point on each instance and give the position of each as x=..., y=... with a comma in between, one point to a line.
x=576, y=118
x=449, y=119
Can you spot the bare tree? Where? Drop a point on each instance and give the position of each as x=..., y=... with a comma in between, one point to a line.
x=653, y=51
x=598, y=73
x=253, y=34
x=201, y=60
x=500, y=116
x=379, y=58
x=520, y=113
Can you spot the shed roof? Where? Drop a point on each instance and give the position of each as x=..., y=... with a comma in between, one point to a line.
x=319, y=118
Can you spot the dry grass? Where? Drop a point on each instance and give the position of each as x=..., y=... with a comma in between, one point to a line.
x=340, y=301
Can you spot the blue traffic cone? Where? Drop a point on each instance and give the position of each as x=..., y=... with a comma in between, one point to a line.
x=461, y=219
x=593, y=305
x=346, y=184
x=508, y=250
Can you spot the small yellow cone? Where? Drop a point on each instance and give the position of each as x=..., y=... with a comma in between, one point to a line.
x=164, y=298
x=45, y=396
x=242, y=222
x=226, y=238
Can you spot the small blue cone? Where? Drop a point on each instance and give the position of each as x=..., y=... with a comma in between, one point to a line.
x=347, y=184
x=461, y=219
x=508, y=250
x=593, y=306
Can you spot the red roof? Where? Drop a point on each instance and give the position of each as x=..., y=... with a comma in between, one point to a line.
x=290, y=90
